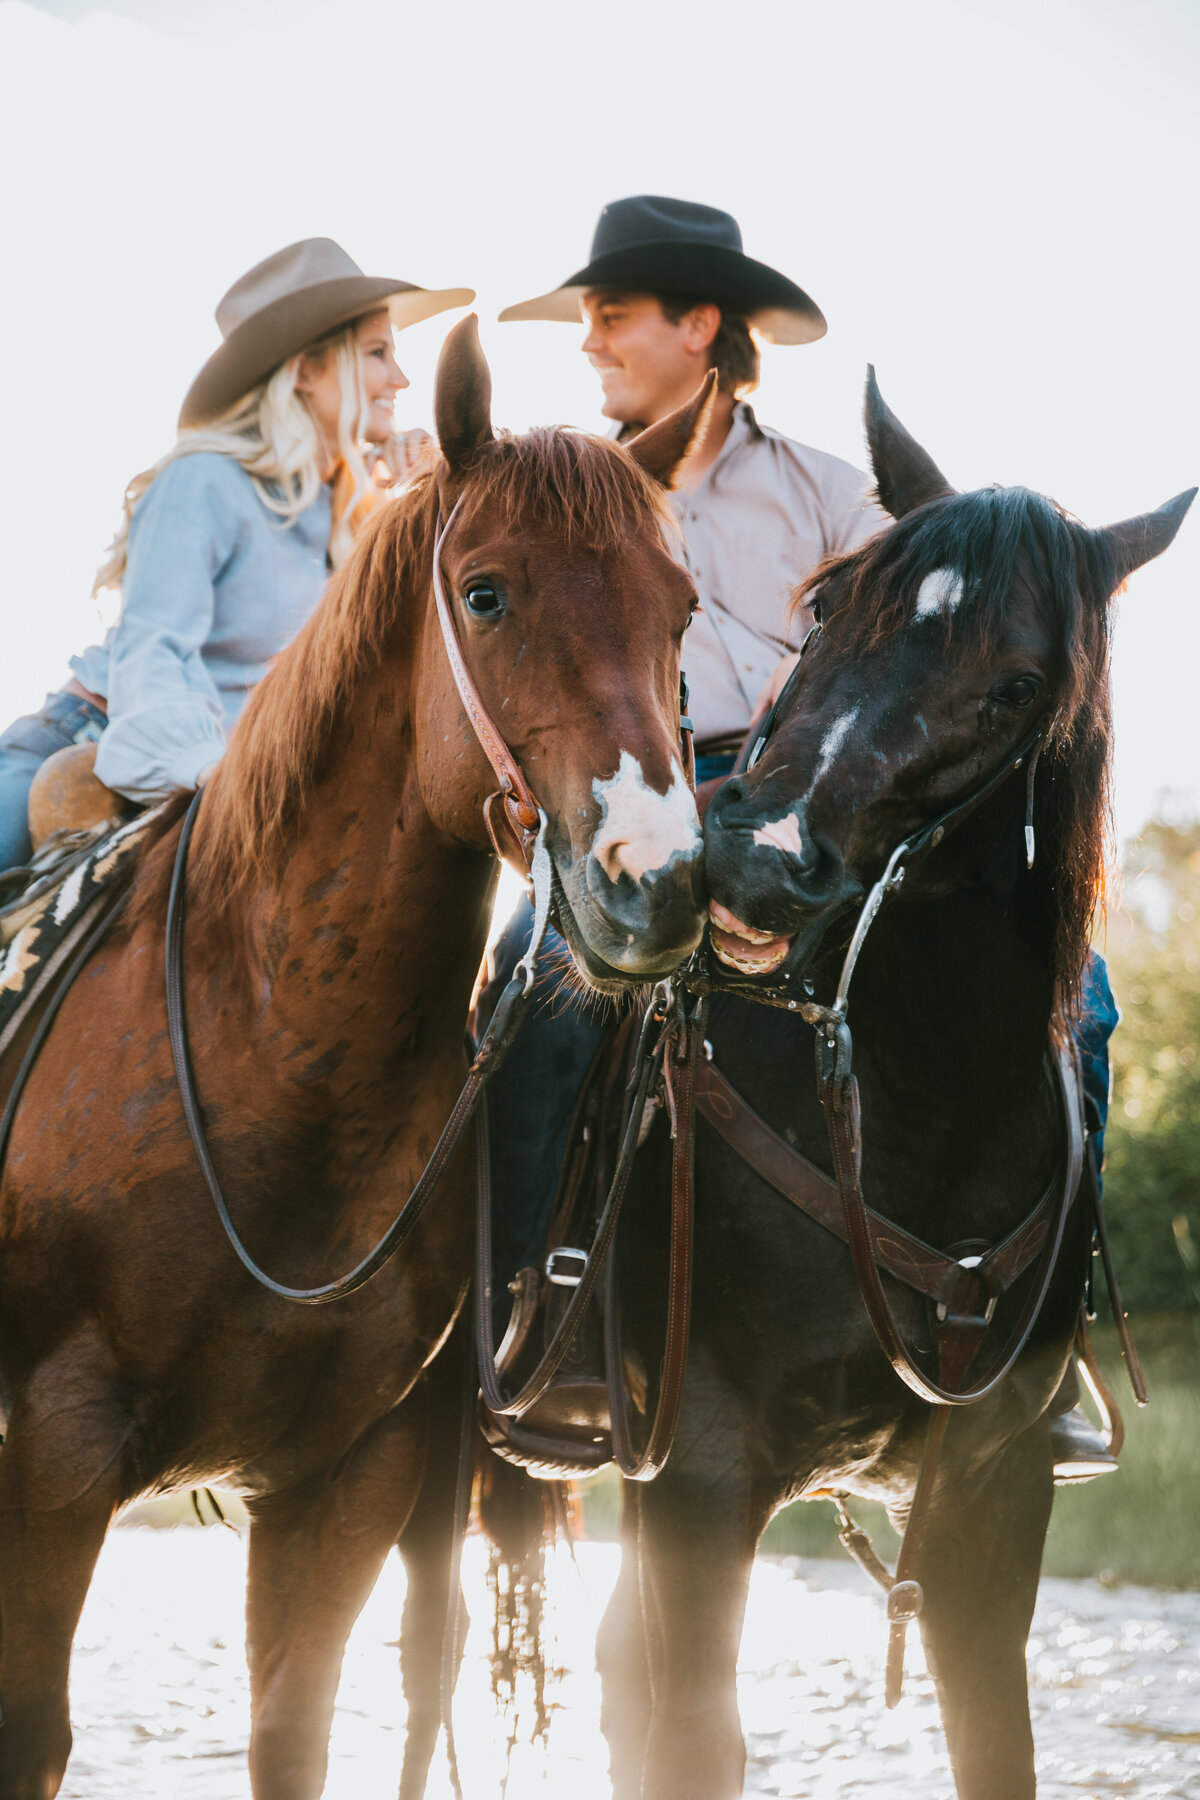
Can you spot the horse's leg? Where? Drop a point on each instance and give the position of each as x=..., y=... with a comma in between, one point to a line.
x=59, y=1487
x=700, y=1522
x=978, y=1563
x=623, y=1663
x=427, y=1546
x=314, y=1559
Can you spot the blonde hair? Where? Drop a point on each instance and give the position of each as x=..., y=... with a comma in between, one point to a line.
x=271, y=433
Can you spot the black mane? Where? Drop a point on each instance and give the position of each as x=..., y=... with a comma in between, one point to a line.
x=1000, y=540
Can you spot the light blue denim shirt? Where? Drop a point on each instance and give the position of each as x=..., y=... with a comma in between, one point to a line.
x=216, y=585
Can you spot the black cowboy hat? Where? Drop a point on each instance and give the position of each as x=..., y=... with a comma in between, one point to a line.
x=652, y=245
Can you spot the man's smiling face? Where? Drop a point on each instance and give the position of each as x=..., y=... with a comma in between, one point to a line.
x=648, y=365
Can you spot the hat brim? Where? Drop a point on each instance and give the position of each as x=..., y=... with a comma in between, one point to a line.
x=269, y=337
x=779, y=310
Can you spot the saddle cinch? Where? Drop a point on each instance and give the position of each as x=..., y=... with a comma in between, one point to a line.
x=85, y=839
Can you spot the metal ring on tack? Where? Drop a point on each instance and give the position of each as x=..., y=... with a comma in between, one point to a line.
x=905, y=1601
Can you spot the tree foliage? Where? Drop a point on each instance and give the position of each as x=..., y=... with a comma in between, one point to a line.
x=1152, y=1168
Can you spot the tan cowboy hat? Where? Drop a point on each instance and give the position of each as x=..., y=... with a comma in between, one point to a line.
x=282, y=305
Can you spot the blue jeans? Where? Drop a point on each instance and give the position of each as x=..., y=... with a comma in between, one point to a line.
x=64, y=719
x=1098, y=1018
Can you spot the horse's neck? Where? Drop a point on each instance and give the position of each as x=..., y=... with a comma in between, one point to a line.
x=961, y=984
x=367, y=942
x=950, y=1013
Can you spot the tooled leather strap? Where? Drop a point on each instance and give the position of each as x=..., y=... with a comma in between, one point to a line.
x=644, y=1465
x=960, y=1334
x=518, y=807
x=928, y=1271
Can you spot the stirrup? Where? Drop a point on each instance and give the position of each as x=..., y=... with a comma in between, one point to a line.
x=1079, y=1450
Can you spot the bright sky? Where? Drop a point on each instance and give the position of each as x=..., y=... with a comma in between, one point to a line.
x=993, y=203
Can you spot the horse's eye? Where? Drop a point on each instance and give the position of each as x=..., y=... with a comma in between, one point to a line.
x=1020, y=693
x=482, y=599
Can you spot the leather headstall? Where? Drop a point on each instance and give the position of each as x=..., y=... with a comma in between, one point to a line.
x=512, y=814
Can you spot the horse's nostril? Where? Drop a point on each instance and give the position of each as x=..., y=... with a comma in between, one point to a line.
x=730, y=794
x=613, y=858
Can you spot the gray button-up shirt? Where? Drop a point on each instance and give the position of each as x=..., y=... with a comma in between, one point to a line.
x=756, y=523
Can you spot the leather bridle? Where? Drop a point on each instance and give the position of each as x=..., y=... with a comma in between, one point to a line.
x=966, y=1289
x=512, y=814
x=516, y=823
x=513, y=804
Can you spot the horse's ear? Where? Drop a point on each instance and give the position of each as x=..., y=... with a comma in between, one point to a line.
x=462, y=396
x=662, y=447
x=1140, y=540
x=905, y=475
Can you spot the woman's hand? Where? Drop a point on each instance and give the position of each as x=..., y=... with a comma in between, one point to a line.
x=405, y=455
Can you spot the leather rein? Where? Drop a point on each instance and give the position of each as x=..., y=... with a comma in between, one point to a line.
x=964, y=1290
x=511, y=813
x=668, y=1052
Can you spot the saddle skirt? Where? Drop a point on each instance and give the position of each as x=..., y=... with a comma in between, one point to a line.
x=46, y=908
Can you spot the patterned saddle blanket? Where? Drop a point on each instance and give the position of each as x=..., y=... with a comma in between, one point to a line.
x=47, y=909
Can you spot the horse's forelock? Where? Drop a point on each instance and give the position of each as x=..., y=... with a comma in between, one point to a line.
x=585, y=490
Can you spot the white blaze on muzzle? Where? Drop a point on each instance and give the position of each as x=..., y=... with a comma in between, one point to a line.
x=642, y=831
x=781, y=834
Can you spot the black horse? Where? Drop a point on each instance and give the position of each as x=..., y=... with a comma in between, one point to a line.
x=979, y=623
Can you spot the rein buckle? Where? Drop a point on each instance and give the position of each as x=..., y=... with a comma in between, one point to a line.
x=905, y=1601
x=566, y=1266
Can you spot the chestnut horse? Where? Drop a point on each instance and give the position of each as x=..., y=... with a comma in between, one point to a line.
x=340, y=883
x=975, y=626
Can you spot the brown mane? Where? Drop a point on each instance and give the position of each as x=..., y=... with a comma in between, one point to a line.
x=585, y=490
x=994, y=538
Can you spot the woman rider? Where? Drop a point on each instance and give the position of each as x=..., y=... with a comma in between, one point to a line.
x=227, y=541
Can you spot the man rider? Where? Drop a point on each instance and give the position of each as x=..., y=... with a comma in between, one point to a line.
x=667, y=294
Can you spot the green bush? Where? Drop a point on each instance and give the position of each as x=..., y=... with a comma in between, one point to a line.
x=1142, y=1524
x=1152, y=1167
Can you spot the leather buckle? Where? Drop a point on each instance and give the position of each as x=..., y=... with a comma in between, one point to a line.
x=904, y=1602
x=565, y=1266
x=984, y=1318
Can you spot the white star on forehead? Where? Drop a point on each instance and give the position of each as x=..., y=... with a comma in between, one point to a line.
x=942, y=589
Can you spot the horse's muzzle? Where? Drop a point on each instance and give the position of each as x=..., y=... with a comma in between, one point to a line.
x=775, y=884
x=627, y=932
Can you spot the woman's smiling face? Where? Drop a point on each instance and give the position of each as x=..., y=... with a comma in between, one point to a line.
x=380, y=380
x=380, y=376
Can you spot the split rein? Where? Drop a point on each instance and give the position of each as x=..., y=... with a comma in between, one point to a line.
x=966, y=1289
x=668, y=1050
x=511, y=814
